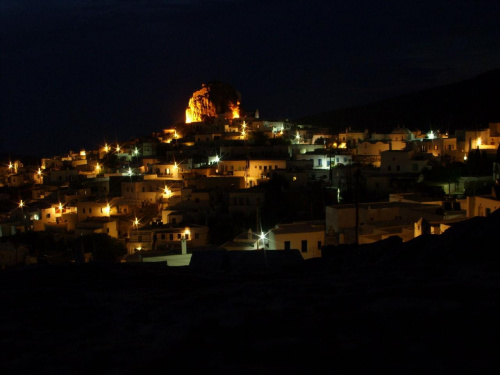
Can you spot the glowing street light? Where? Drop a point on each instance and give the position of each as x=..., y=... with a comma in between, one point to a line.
x=136, y=152
x=97, y=168
x=107, y=209
x=262, y=237
x=167, y=191
x=130, y=173
x=117, y=148
x=297, y=137
x=21, y=204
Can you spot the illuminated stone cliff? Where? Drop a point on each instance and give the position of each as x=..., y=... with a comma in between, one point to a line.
x=213, y=99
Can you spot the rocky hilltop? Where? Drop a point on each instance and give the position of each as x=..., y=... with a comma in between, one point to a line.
x=212, y=99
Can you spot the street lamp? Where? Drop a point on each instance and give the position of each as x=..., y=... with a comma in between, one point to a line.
x=217, y=160
x=297, y=138
x=262, y=237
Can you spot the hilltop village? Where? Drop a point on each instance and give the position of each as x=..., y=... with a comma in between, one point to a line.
x=229, y=179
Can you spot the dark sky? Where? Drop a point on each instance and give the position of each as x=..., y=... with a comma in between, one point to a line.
x=77, y=72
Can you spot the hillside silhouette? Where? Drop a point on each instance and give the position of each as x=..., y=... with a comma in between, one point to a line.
x=472, y=103
x=430, y=305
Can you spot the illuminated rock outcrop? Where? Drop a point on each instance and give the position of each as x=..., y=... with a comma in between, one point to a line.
x=213, y=99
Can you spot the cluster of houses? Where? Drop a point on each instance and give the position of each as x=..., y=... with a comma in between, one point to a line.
x=155, y=194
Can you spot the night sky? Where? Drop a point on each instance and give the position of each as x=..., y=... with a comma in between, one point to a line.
x=75, y=73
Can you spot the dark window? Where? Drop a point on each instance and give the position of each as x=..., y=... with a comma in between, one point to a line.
x=162, y=236
x=196, y=236
x=319, y=245
x=171, y=236
x=287, y=245
x=139, y=238
x=304, y=246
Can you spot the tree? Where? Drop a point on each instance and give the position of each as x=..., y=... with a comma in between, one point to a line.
x=258, y=138
x=319, y=141
x=103, y=247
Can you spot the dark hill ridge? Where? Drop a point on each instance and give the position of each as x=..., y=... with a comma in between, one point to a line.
x=470, y=242
x=467, y=104
x=429, y=306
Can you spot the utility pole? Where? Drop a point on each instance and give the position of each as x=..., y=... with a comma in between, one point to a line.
x=356, y=197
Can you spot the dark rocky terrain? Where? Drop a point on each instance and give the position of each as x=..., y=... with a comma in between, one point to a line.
x=430, y=305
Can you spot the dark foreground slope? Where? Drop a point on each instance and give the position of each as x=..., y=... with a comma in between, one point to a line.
x=396, y=307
